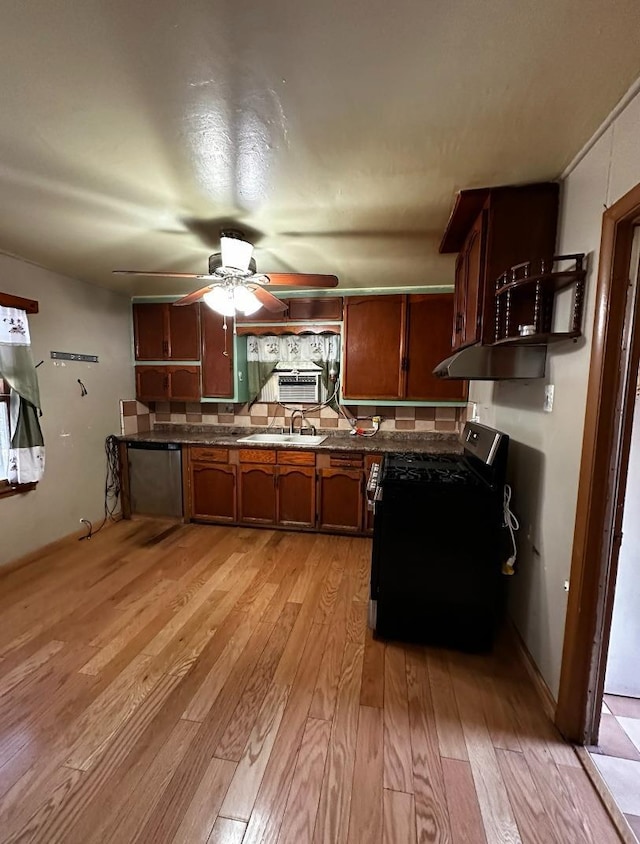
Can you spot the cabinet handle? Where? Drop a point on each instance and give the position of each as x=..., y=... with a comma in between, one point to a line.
x=165, y=347
x=165, y=382
x=458, y=323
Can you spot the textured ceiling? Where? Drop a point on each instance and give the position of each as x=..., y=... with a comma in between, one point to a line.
x=337, y=131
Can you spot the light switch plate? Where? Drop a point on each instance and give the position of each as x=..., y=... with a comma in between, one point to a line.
x=548, y=398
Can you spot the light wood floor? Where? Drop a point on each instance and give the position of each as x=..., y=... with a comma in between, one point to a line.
x=193, y=684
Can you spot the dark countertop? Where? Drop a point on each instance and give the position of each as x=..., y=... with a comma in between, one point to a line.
x=428, y=443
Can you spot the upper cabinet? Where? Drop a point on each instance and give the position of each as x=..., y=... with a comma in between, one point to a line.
x=217, y=355
x=493, y=229
x=162, y=332
x=392, y=344
x=299, y=309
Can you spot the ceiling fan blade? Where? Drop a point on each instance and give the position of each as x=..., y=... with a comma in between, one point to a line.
x=301, y=280
x=160, y=275
x=268, y=300
x=193, y=297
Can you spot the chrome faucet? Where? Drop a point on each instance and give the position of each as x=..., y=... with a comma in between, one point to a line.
x=294, y=413
x=304, y=425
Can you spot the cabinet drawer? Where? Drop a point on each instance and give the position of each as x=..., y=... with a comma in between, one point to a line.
x=355, y=461
x=297, y=458
x=209, y=454
x=257, y=455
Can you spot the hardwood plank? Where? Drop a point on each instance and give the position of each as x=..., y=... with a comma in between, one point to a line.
x=462, y=803
x=198, y=822
x=431, y=817
x=268, y=810
x=227, y=831
x=587, y=802
x=131, y=816
x=12, y=679
x=372, y=691
x=398, y=765
x=497, y=814
x=236, y=734
x=332, y=822
x=304, y=795
x=244, y=786
x=399, y=819
x=533, y=822
x=450, y=735
x=365, y=820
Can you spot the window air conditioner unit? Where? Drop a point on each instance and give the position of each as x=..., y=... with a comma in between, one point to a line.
x=299, y=389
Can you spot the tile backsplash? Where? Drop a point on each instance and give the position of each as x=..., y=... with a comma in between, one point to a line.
x=135, y=417
x=418, y=419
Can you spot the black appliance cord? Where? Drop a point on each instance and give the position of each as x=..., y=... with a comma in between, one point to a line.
x=111, y=487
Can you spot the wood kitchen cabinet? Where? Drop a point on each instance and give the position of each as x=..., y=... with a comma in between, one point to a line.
x=163, y=383
x=493, y=229
x=210, y=484
x=164, y=332
x=303, y=308
x=277, y=494
x=217, y=355
x=392, y=344
x=340, y=500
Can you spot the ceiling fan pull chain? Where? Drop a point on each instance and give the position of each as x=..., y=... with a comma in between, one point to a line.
x=224, y=328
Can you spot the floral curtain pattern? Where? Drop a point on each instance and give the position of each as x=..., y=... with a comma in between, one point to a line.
x=22, y=452
x=265, y=353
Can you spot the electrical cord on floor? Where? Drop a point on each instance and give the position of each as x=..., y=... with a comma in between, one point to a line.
x=512, y=524
x=111, y=487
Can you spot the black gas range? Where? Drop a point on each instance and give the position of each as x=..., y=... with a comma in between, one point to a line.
x=438, y=542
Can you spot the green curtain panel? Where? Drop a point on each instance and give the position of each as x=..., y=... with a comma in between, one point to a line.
x=25, y=460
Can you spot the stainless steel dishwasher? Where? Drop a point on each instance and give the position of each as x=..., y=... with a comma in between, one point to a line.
x=155, y=478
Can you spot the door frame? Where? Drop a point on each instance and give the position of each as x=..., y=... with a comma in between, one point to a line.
x=602, y=481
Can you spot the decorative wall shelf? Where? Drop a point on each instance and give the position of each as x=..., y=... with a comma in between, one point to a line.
x=525, y=295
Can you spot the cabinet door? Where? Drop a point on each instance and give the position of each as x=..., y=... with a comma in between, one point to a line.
x=429, y=342
x=340, y=500
x=257, y=498
x=316, y=309
x=184, y=383
x=459, y=299
x=296, y=496
x=475, y=258
x=213, y=492
x=369, y=460
x=374, y=347
x=150, y=332
x=184, y=332
x=152, y=383
x=217, y=355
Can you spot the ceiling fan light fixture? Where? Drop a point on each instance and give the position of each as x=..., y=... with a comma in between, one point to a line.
x=221, y=300
x=236, y=252
x=245, y=300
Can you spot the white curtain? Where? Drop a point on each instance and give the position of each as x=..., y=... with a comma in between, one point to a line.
x=294, y=349
x=23, y=454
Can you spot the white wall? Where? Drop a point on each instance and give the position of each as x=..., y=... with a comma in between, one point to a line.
x=73, y=317
x=546, y=447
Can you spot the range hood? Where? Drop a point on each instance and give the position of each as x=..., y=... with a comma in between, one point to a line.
x=494, y=363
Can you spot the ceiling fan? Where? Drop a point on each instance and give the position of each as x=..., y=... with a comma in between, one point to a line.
x=232, y=281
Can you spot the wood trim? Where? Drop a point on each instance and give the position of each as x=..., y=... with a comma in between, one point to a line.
x=601, y=485
x=125, y=492
x=606, y=798
x=29, y=305
x=522, y=651
x=279, y=329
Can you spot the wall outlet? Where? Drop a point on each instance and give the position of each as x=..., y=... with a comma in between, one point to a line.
x=548, y=398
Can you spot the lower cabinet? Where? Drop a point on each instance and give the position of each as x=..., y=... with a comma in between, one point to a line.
x=340, y=496
x=271, y=487
x=257, y=495
x=296, y=496
x=213, y=492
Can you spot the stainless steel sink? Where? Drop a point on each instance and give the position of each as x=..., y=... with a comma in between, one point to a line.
x=284, y=439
